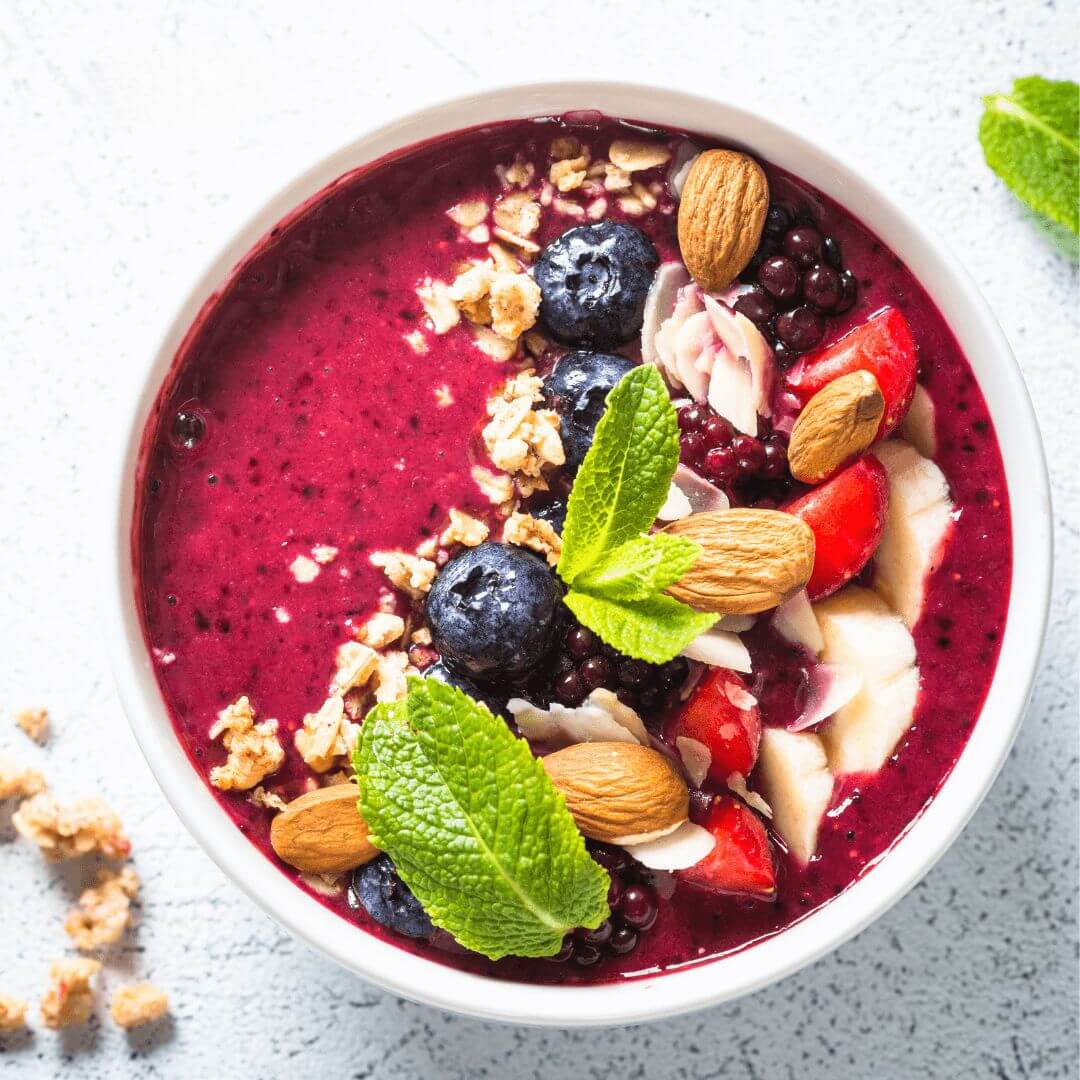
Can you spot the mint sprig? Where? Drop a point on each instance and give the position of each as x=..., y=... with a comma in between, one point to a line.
x=1030, y=139
x=474, y=825
x=616, y=573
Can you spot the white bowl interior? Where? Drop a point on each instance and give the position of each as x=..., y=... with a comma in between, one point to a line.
x=897, y=871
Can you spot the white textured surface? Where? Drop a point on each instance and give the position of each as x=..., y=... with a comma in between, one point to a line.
x=136, y=135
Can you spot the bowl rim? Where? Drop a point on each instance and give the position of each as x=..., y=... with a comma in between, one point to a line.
x=896, y=871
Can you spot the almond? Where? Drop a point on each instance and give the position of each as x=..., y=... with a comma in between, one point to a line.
x=837, y=424
x=621, y=793
x=721, y=214
x=750, y=561
x=322, y=832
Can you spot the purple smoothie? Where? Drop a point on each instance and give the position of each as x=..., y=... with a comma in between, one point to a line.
x=316, y=423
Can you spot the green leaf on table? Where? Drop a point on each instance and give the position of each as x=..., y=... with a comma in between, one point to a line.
x=1031, y=139
x=473, y=824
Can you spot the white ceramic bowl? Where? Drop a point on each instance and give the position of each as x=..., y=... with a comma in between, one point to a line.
x=917, y=850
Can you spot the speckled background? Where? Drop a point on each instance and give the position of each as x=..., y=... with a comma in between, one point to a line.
x=135, y=136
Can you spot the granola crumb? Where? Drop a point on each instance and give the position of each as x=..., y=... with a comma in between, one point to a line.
x=417, y=342
x=633, y=155
x=267, y=800
x=68, y=831
x=439, y=308
x=421, y=636
x=392, y=671
x=535, y=534
x=616, y=179
x=355, y=664
x=497, y=488
x=514, y=301
x=596, y=209
x=503, y=259
x=519, y=173
x=429, y=548
x=324, y=884
x=470, y=292
x=478, y=234
x=632, y=206
x=564, y=147
x=517, y=213
x=17, y=781
x=444, y=396
x=494, y=345
x=521, y=440
x=12, y=1013
x=463, y=529
x=104, y=910
x=138, y=1003
x=305, y=570
x=569, y=173
x=69, y=999
x=34, y=723
x=324, y=554
x=535, y=343
x=326, y=735
x=254, y=750
x=468, y=214
x=381, y=629
x=568, y=208
x=409, y=573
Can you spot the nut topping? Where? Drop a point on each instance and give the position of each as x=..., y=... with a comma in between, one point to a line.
x=620, y=793
x=721, y=215
x=838, y=423
x=751, y=560
x=322, y=832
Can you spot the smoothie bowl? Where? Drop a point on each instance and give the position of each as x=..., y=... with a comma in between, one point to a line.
x=580, y=555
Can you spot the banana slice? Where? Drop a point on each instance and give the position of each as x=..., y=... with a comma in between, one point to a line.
x=860, y=630
x=793, y=775
x=916, y=529
x=919, y=425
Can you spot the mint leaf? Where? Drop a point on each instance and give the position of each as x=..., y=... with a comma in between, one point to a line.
x=624, y=479
x=474, y=825
x=653, y=629
x=1030, y=139
x=639, y=568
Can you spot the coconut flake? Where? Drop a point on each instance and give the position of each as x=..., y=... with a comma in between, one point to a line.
x=688, y=303
x=602, y=718
x=737, y=624
x=795, y=620
x=684, y=847
x=744, y=370
x=659, y=306
x=696, y=758
x=703, y=496
x=831, y=687
x=676, y=505
x=736, y=783
x=739, y=696
x=686, y=153
x=719, y=648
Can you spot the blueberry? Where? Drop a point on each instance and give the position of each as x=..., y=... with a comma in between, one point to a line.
x=493, y=612
x=441, y=673
x=553, y=512
x=593, y=282
x=377, y=887
x=577, y=390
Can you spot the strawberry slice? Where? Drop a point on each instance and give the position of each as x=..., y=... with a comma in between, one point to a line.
x=847, y=517
x=883, y=345
x=722, y=716
x=742, y=860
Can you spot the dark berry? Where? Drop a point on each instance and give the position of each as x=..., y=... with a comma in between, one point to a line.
x=721, y=465
x=564, y=953
x=570, y=689
x=441, y=673
x=717, y=432
x=674, y=673
x=188, y=428
x=587, y=955
x=692, y=418
x=596, y=671
x=632, y=673
x=553, y=512
x=623, y=941
x=650, y=699
x=849, y=290
x=593, y=282
x=582, y=643
x=779, y=276
x=614, y=892
x=803, y=244
x=800, y=329
x=777, y=220
x=577, y=390
x=600, y=936
x=694, y=447
x=821, y=287
x=775, y=458
x=611, y=858
x=388, y=900
x=493, y=611
x=830, y=248
x=637, y=906
x=756, y=304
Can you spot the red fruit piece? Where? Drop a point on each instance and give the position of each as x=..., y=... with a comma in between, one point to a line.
x=718, y=715
x=742, y=860
x=883, y=345
x=847, y=517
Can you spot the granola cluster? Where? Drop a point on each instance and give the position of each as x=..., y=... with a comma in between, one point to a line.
x=70, y=997
x=535, y=534
x=17, y=781
x=104, y=910
x=34, y=722
x=520, y=439
x=137, y=1004
x=254, y=750
x=410, y=573
x=12, y=1013
x=66, y=831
